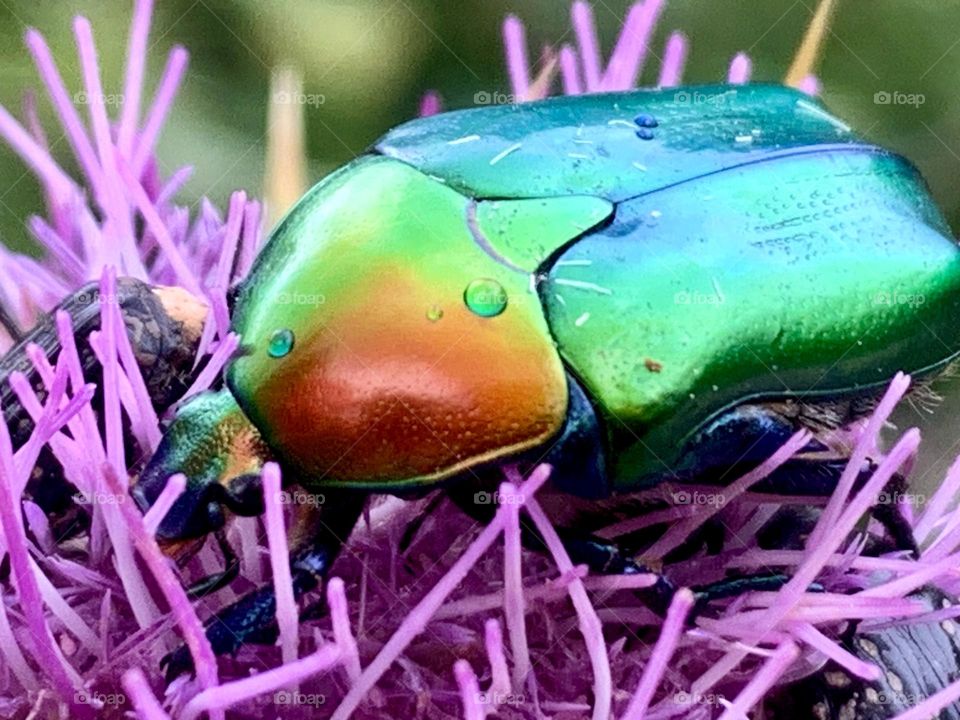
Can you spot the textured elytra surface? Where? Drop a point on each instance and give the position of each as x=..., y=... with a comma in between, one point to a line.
x=589, y=145
x=811, y=275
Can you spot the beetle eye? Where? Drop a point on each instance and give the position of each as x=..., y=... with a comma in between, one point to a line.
x=485, y=297
x=281, y=343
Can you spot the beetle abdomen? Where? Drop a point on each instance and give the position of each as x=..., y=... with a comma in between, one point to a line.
x=818, y=272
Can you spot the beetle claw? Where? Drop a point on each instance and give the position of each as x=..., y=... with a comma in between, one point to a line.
x=176, y=663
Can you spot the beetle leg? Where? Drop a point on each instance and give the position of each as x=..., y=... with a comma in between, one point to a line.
x=603, y=557
x=317, y=537
x=606, y=557
x=734, y=587
x=212, y=583
x=888, y=514
x=797, y=475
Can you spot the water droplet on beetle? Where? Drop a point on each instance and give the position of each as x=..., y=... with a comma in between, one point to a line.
x=485, y=297
x=434, y=313
x=280, y=343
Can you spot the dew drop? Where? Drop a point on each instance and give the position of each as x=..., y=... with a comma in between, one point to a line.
x=281, y=343
x=485, y=297
x=646, y=121
x=434, y=313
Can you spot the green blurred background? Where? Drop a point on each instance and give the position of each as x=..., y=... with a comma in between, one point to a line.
x=371, y=60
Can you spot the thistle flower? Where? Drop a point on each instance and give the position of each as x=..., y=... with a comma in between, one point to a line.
x=454, y=623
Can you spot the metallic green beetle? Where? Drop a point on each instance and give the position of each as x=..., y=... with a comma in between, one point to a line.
x=633, y=286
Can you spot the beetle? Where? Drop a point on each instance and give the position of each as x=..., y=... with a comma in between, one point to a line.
x=631, y=286
x=634, y=287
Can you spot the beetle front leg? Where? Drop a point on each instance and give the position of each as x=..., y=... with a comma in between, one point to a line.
x=317, y=538
x=210, y=584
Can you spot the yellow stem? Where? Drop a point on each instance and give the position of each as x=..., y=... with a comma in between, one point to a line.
x=805, y=61
x=286, y=172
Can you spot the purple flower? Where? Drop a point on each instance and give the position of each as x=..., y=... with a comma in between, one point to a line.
x=445, y=625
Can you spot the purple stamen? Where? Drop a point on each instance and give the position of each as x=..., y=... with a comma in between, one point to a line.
x=626, y=60
x=287, y=615
x=169, y=85
x=515, y=44
x=674, y=60
x=741, y=67
x=586, y=32
x=570, y=71
x=133, y=85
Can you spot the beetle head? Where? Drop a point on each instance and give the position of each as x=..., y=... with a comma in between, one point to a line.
x=387, y=345
x=213, y=444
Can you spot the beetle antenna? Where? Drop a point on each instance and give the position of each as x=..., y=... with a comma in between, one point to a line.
x=805, y=61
